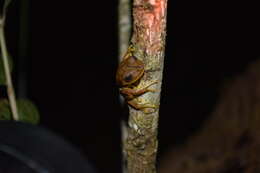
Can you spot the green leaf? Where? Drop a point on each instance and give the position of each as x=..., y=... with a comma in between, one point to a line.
x=5, y=113
x=2, y=72
x=26, y=109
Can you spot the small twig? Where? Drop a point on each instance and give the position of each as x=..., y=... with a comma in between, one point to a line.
x=5, y=8
x=10, y=89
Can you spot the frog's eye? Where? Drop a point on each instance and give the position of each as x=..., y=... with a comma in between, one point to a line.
x=128, y=78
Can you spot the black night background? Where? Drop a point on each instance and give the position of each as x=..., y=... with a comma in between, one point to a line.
x=68, y=68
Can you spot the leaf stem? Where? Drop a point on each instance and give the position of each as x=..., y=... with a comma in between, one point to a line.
x=10, y=89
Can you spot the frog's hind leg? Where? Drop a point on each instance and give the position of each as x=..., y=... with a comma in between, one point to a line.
x=145, y=89
x=132, y=93
x=138, y=106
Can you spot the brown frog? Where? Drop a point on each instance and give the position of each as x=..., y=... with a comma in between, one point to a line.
x=128, y=76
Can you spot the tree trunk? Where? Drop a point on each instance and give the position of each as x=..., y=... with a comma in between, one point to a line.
x=149, y=30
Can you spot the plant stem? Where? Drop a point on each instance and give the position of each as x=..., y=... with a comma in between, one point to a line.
x=124, y=28
x=10, y=89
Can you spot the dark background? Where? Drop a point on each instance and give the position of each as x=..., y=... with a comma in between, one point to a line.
x=65, y=56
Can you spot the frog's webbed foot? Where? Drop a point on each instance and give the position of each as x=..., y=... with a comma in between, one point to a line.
x=129, y=52
x=145, y=89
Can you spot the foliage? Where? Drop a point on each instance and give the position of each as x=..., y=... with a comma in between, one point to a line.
x=2, y=73
x=27, y=111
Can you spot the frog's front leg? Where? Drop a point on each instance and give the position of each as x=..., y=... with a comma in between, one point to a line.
x=131, y=93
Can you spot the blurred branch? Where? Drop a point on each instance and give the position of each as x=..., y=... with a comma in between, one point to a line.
x=4, y=11
x=124, y=28
x=228, y=141
x=10, y=89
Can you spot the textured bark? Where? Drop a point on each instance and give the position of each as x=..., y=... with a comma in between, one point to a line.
x=149, y=30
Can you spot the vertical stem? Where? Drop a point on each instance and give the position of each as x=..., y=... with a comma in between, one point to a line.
x=124, y=27
x=149, y=30
x=10, y=89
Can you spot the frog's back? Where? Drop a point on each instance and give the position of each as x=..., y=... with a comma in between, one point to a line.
x=129, y=71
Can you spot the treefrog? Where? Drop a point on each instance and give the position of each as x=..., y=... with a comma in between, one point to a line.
x=128, y=75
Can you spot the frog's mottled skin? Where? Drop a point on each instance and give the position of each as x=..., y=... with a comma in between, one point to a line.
x=130, y=70
x=128, y=75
